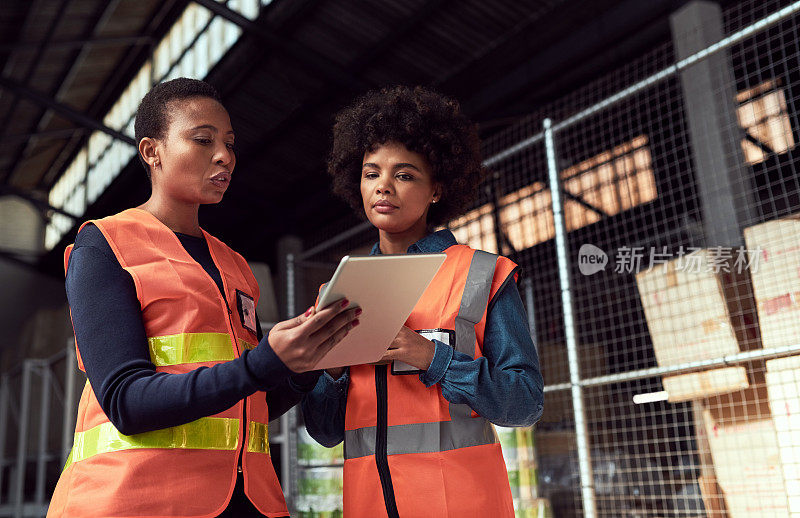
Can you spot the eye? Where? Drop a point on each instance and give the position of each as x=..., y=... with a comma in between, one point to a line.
x=229, y=145
x=371, y=175
x=203, y=141
x=405, y=176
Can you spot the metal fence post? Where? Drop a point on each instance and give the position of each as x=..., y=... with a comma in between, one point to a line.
x=4, y=400
x=527, y=287
x=22, y=438
x=44, y=429
x=67, y=424
x=289, y=419
x=562, y=256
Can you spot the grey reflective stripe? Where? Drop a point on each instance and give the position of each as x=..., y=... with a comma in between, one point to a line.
x=462, y=430
x=474, y=300
x=420, y=437
x=360, y=442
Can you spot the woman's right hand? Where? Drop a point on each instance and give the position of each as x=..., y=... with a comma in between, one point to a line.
x=301, y=342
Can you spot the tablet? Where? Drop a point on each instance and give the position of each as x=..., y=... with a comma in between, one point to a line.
x=386, y=288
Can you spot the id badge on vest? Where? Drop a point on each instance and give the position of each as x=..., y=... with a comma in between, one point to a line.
x=247, y=311
x=446, y=336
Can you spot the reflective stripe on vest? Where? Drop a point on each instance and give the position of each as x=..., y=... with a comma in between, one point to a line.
x=420, y=437
x=192, y=348
x=462, y=430
x=206, y=433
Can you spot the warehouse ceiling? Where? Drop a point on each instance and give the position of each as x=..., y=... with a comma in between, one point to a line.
x=66, y=61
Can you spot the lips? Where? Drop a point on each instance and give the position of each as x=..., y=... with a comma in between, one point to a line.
x=221, y=179
x=383, y=207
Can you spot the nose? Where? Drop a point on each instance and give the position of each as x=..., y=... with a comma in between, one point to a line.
x=383, y=186
x=223, y=155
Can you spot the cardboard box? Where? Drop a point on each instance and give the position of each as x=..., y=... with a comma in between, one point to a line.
x=695, y=385
x=776, y=279
x=743, y=441
x=783, y=385
x=695, y=311
x=697, y=315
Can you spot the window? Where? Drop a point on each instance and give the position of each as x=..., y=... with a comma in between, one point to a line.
x=476, y=229
x=762, y=113
x=603, y=185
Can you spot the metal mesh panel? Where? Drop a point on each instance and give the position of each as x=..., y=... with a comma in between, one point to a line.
x=645, y=179
x=656, y=223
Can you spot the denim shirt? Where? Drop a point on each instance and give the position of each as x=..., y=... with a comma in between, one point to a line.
x=504, y=386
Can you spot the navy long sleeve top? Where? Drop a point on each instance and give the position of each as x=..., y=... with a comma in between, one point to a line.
x=505, y=386
x=107, y=320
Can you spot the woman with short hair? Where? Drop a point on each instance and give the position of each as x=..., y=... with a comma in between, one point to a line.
x=181, y=382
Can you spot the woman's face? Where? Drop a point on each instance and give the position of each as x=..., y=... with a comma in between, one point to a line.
x=397, y=188
x=195, y=159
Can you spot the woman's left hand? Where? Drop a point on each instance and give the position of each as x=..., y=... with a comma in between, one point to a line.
x=412, y=348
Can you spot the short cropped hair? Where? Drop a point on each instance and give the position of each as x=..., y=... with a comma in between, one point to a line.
x=152, y=116
x=425, y=122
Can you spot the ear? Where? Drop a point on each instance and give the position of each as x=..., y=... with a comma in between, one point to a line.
x=148, y=149
x=437, y=192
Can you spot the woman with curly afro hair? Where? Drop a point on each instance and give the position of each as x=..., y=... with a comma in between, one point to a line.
x=416, y=426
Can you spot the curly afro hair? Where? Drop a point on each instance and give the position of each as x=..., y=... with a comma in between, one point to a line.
x=425, y=122
x=152, y=116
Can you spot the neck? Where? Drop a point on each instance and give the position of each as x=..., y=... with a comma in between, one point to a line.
x=398, y=242
x=178, y=216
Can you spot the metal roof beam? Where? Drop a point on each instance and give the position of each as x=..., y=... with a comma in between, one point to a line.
x=68, y=44
x=297, y=51
x=42, y=205
x=41, y=135
x=62, y=109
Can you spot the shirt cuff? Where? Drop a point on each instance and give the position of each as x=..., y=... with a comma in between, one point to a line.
x=265, y=366
x=442, y=356
x=334, y=388
x=304, y=382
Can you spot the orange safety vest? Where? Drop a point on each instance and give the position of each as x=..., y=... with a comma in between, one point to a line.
x=190, y=469
x=410, y=452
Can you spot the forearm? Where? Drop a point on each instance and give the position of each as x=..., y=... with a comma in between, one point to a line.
x=506, y=397
x=505, y=385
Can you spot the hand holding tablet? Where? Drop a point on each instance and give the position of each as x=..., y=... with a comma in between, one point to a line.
x=386, y=288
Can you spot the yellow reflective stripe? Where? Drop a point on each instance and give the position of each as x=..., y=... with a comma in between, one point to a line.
x=259, y=438
x=207, y=433
x=190, y=348
x=245, y=345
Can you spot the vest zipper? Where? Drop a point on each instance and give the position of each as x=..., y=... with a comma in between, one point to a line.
x=236, y=345
x=244, y=402
x=233, y=332
x=381, y=459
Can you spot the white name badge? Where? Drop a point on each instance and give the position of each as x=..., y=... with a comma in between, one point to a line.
x=247, y=311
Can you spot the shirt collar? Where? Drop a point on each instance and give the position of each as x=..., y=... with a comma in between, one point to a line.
x=430, y=244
